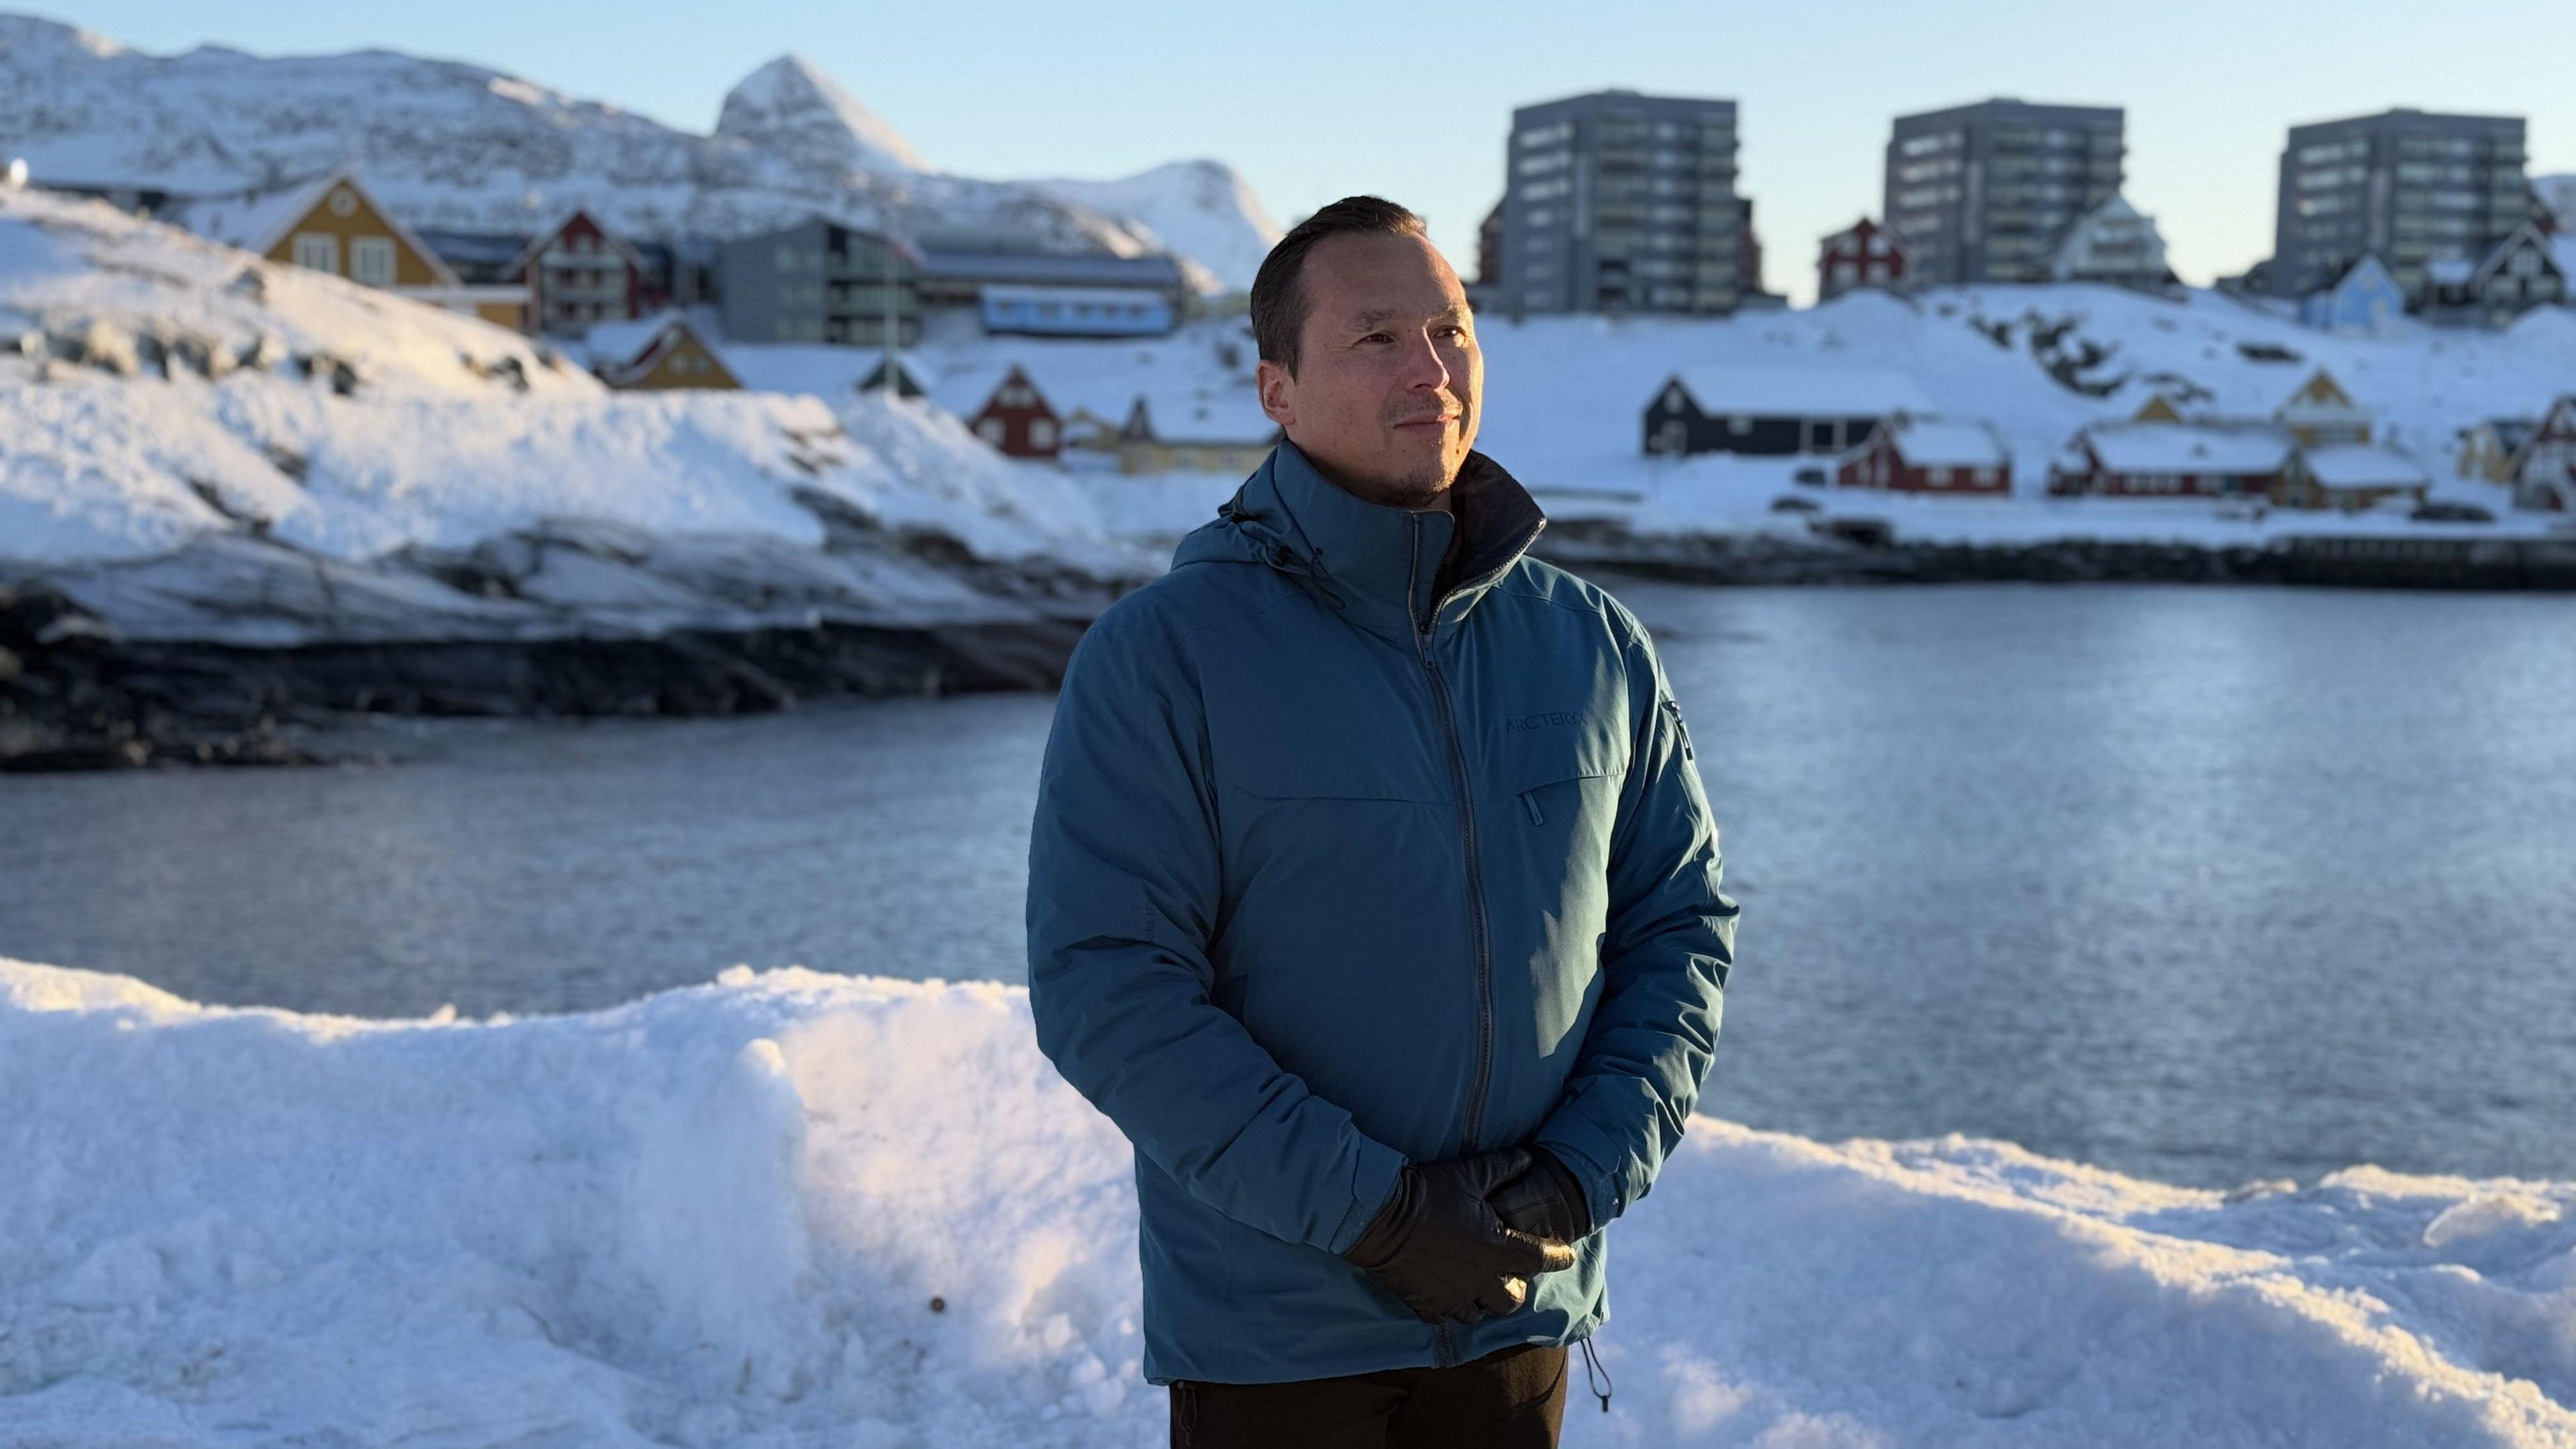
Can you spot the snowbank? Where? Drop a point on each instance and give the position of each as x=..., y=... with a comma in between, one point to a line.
x=798, y=1208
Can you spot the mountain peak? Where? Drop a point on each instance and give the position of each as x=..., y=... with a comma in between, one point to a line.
x=792, y=107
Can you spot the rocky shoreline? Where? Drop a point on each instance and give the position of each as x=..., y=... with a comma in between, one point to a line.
x=73, y=696
x=77, y=692
x=1865, y=557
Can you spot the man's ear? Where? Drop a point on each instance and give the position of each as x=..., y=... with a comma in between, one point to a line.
x=1275, y=385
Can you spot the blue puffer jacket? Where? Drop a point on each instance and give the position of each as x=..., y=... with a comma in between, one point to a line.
x=1334, y=868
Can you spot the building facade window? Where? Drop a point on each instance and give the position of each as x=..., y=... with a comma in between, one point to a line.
x=318, y=250
x=371, y=261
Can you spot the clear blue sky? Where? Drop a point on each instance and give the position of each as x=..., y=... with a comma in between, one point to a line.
x=1314, y=101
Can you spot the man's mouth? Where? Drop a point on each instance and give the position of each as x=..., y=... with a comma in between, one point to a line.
x=1432, y=420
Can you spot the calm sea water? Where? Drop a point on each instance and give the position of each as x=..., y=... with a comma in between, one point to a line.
x=2205, y=884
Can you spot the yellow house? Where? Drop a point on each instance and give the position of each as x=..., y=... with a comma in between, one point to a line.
x=331, y=224
x=2321, y=414
x=673, y=356
x=2159, y=409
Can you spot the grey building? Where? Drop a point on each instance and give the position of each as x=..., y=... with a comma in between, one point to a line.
x=1620, y=202
x=2405, y=186
x=816, y=281
x=1986, y=192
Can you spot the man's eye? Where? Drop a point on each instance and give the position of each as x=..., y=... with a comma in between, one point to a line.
x=1377, y=337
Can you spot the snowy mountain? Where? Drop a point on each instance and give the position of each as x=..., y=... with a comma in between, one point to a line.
x=1202, y=209
x=463, y=147
x=794, y=111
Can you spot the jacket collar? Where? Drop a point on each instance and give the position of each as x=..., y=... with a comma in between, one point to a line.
x=1379, y=566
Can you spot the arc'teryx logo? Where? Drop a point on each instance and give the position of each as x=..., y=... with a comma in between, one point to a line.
x=1544, y=719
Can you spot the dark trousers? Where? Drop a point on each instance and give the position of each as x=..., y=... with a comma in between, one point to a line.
x=1511, y=1399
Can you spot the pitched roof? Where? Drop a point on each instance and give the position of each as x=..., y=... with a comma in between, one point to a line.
x=966, y=390
x=1947, y=443
x=669, y=330
x=535, y=245
x=255, y=220
x=2186, y=448
x=1229, y=417
x=1805, y=392
x=2362, y=465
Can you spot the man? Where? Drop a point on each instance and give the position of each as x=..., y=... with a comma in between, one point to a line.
x=1372, y=893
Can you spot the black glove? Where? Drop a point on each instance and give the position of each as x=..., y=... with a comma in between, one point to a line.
x=1437, y=1245
x=1544, y=1202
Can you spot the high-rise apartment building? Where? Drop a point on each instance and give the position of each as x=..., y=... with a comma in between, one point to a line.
x=2405, y=186
x=1985, y=192
x=1620, y=202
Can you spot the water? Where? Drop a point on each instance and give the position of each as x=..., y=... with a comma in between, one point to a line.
x=2204, y=884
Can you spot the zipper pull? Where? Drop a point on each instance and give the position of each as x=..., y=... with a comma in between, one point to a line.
x=1530, y=798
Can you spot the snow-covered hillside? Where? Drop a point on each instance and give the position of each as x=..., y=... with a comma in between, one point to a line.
x=795, y=1208
x=169, y=396
x=460, y=146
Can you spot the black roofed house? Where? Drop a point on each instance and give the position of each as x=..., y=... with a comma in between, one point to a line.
x=2515, y=275
x=1775, y=411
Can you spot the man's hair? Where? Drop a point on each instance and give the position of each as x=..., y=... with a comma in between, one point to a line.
x=1279, y=304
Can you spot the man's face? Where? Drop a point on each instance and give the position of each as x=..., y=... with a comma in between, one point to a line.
x=1389, y=384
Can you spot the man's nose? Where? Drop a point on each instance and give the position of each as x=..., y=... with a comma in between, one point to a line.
x=1423, y=365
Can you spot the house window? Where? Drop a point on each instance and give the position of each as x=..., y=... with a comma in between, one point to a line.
x=990, y=430
x=1041, y=433
x=343, y=201
x=371, y=261
x=318, y=250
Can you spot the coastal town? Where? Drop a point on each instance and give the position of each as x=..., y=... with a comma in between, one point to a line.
x=1130, y=359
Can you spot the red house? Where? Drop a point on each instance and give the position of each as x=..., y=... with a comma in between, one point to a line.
x=1863, y=255
x=1908, y=454
x=1010, y=414
x=578, y=272
x=2191, y=460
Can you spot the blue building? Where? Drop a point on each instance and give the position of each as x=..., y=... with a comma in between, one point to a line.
x=2364, y=301
x=1076, y=311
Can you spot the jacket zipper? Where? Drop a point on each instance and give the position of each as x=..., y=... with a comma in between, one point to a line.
x=1444, y=1353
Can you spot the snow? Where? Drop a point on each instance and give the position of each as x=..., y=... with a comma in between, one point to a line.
x=253, y=220
x=2362, y=465
x=1800, y=392
x=793, y=1208
x=2188, y=448
x=1946, y=443
x=1202, y=209
x=791, y=107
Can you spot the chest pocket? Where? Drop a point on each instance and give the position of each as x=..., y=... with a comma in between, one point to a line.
x=1552, y=764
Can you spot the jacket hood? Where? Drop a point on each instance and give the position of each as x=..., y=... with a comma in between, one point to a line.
x=1380, y=566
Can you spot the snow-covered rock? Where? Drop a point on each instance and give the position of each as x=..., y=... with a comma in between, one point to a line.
x=1204, y=210
x=451, y=145
x=792, y=110
x=799, y=1208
